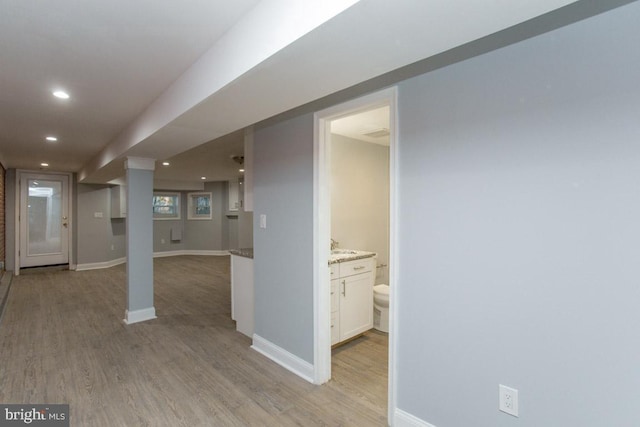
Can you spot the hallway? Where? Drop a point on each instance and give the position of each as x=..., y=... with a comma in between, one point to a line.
x=62, y=340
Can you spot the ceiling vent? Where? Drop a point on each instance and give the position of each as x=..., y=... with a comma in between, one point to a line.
x=376, y=133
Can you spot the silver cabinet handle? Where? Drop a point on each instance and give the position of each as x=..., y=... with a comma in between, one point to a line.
x=344, y=288
x=359, y=267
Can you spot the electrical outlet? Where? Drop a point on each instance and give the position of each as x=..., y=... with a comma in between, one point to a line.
x=162, y=241
x=508, y=400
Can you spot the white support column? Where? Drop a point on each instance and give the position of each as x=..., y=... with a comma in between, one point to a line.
x=139, y=240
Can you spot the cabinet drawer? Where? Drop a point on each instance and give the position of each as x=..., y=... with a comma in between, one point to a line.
x=335, y=295
x=356, y=267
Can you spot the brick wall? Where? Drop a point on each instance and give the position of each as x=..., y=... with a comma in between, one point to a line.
x=2, y=205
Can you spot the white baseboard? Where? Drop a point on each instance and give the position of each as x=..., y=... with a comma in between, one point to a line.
x=99, y=265
x=118, y=261
x=189, y=252
x=139, y=315
x=282, y=357
x=405, y=419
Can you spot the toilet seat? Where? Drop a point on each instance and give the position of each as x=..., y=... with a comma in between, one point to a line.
x=381, y=308
x=381, y=295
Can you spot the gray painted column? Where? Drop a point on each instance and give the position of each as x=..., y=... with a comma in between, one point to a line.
x=139, y=240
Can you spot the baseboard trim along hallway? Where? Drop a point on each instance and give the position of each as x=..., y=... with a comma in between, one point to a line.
x=282, y=357
x=405, y=419
x=118, y=261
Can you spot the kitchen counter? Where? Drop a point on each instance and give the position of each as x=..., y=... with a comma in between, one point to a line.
x=344, y=255
x=243, y=252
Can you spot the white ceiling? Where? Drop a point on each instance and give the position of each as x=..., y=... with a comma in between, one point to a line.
x=368, y=126
x=114, y=58
x=155, y=78
x=213, y=160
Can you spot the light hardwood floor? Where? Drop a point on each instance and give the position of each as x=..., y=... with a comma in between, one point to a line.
x=62, y=340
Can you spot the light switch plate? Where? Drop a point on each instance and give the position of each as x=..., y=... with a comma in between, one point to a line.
x=263, y=221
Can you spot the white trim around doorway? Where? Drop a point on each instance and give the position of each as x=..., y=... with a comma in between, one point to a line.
x=322, y=232
x=17, y=196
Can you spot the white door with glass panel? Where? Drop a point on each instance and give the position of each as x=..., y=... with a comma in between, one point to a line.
x=44, y=219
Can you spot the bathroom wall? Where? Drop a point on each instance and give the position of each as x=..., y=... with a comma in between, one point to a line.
x=360, y=198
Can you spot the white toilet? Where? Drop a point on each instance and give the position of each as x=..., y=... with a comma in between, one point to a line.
x=381, y=307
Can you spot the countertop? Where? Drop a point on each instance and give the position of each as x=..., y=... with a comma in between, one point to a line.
x=344, y=255
x=243, y=252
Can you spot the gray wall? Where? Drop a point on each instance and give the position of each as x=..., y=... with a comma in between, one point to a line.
x=519, y=231
x=283, y=264
x=207, y=235
x=245, y=223
x=238, y=224
x=10, y=219
x=97, y=236
x=196, y=234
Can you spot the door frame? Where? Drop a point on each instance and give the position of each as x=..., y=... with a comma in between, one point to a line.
x=17, y=217
x=322, y=232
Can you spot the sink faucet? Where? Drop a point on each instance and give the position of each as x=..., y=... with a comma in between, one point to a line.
x=334, y=244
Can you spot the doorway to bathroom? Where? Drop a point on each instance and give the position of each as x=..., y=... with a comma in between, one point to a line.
x=354, y=157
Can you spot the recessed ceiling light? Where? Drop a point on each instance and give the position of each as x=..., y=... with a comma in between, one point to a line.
x=203, y=177
x=165, y=163
x=240, y=170
x=61, y=94
x=52, y=138
x=44, y=164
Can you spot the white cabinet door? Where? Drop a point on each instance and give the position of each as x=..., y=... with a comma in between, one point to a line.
x=335, y=313
x=356, y=305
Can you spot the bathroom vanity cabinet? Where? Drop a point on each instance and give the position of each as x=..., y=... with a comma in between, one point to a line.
x=351, y=298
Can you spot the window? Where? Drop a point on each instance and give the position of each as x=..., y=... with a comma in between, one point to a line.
x=199, y=206
x=166, y=205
